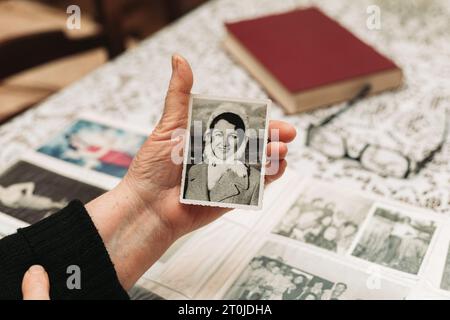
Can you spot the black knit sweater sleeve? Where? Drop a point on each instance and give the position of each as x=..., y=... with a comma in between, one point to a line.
x=66, y=238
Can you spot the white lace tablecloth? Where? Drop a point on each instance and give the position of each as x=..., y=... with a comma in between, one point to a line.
x=416, y=34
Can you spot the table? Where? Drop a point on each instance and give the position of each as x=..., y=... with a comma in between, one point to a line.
x=414, y=33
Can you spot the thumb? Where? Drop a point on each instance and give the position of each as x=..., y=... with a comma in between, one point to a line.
x=35, y=284
x=177, y=99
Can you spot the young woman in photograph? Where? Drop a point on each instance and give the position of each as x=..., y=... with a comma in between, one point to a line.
x=223, y=176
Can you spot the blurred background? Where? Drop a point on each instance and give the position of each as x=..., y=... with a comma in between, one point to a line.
x=109, y=28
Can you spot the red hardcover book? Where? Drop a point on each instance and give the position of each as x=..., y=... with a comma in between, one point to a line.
x=307, y=60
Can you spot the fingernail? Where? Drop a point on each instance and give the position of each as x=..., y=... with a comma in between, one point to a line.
x=36, y=269
x=175, y=62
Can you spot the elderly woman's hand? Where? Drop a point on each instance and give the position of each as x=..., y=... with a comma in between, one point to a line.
x=146, y=203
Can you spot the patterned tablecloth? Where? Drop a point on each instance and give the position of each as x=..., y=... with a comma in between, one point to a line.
x=416, y=34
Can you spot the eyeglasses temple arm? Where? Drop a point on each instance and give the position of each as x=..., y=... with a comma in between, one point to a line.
x=430, y=156
x=361, y=94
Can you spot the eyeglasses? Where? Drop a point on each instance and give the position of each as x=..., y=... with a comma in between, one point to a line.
x=381, y=160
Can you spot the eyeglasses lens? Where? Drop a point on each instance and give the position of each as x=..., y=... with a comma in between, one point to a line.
x=328, y=143
x=385, y=162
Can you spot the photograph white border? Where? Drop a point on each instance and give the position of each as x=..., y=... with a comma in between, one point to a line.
x=434, y=272
x=268, y=103
x=9, y=224
x=70, y=170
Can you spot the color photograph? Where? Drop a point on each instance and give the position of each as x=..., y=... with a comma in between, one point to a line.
x=96, y=147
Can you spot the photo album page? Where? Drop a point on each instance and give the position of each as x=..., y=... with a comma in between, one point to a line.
x=319, y=241
x=311, y=240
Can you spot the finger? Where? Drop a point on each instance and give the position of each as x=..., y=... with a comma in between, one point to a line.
x=281, y=168
x=35, y=284
x=276, y=150
x=286, y=132
x=177, y=99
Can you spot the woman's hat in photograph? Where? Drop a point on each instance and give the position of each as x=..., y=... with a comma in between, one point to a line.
x=229, y=107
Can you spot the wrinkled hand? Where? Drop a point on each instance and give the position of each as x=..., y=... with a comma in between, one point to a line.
x=35, y=284
x=140, y=218
x=155, y=179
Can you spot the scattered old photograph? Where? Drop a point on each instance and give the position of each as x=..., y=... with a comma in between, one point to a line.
x=395, y=240
x=324, y=216
x=30, y=193
x=270, y=279
x=95, y=146
x=225, y=152
x=281, y=272
x=138, y=292
x=445, y=282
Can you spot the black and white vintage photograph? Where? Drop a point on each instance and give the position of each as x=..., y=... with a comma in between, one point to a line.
x=30, y=193
x=270, y=279
x=396, y=240
x=225, y=152
x=281, y=272
x=324, y=216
